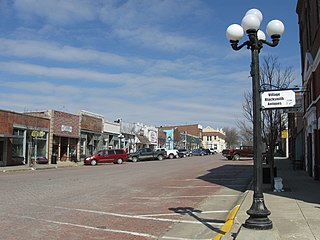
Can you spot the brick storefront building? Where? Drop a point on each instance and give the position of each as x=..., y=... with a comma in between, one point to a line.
x=22, y=138
x=309, y=28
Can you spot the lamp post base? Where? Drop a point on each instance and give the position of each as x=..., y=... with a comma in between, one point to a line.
x=258, y=216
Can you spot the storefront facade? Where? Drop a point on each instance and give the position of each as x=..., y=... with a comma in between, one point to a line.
x=91, y=130
x=23, y=138
x=64, y=137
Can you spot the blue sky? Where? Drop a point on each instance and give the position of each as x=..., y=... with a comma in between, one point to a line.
x=157, y=62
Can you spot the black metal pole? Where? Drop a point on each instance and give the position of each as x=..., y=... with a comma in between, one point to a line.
x=258, y=213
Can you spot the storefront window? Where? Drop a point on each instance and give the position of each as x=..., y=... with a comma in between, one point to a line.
x=73, y=149
x=17, y=143
x=55, y=147
x=41, y=147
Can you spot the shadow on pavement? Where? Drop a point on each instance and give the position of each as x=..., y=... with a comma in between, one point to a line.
x=192, y=213
x=296, y=183
x=234, y=176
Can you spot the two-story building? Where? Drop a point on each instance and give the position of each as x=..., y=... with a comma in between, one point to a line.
x=309, y=28
x=214, y=139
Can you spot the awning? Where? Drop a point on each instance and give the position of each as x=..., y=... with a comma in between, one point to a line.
x=10, y=136
x=143, y=139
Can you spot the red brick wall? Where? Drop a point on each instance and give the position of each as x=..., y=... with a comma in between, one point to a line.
x=68, y=120
x=7, y=119
x=5, y=122
x=91, y=123
x=193, y=130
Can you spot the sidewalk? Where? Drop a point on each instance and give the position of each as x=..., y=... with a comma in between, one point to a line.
x=40, y=166
x=295, y=213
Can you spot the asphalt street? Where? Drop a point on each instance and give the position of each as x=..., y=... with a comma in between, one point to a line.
x=186, y=198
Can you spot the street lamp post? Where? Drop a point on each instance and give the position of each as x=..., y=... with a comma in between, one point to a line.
x=258, y=212
x=169, y=142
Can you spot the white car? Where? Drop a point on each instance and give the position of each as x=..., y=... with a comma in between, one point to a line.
x=213, y=151
x=174, y=153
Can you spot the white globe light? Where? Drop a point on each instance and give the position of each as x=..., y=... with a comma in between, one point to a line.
x=234, y=32
x=255, y=12
x=250, y=21
x=275, y=27
x=261, y=35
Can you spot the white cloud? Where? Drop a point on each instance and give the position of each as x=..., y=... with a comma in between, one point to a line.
x=56, y=12
x=59, y=52
x=155, y=39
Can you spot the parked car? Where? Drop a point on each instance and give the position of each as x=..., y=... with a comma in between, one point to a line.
x=183, y=153
x=42, y=160
x=206, y=151
x=147, y=154
x=237, y=153
x=170, y=153
x=213, y=151
x=198, y=152
x=225, y=152
x=107, y=156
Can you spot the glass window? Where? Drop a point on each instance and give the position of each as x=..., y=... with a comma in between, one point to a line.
x=41, y=147
x=318, y=8
x=110, y=152
x=17, y=147
x=17, y=143
x=102, y=153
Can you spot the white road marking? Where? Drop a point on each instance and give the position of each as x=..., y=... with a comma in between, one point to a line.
x=172, y=197
x=131, y=216
x=178, y=238
x=226, y=195
x=87, y=227
x=209, y=178
x=193, y=186
x=174, y=214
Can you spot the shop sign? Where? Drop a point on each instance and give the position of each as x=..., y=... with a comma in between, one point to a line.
x=278, y=99
x=65, y=128
x=37, y=133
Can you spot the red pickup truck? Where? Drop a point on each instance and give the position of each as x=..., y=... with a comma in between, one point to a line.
x=237, y=153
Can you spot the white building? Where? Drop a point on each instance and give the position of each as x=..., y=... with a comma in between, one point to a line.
x=213, y=139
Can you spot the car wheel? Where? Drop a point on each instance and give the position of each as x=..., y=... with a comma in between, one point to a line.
x=120, y=161
x=160, y=157
x=134, y=159
x=229, y=158
x=170, y=156
x=93, y=162
x=236, y=157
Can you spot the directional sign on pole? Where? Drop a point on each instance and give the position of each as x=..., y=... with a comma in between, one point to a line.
x=278, y=99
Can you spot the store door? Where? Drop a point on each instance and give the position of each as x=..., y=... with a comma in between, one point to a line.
x=309, y=154
x=2, y=153
x=316, y=156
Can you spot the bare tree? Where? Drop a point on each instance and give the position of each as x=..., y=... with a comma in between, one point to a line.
x=245, y=132
x=272, y=77
x=232, y=137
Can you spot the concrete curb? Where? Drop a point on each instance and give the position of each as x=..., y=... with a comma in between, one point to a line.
x=229, y=234
x=238, y=232
x=39, y=167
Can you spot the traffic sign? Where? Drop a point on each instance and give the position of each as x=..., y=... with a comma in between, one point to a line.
x=278, y=99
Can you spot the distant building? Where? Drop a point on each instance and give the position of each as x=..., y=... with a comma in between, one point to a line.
x=214, y=139
x=183, y=136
